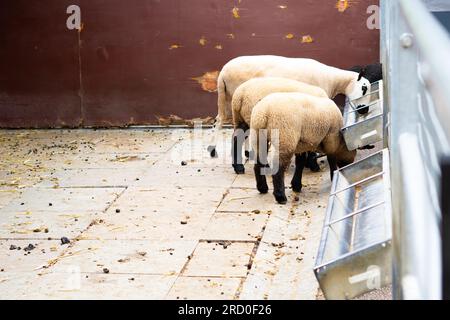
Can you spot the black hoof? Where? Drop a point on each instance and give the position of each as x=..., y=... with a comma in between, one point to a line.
x=297, y=188
x=313, y=166
x=239, y=169
x=281, y=199
x=362, y=109
x=212, y=151
x=263, y=188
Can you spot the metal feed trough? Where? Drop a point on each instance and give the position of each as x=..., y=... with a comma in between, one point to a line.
x=364, y=129
x=354, y=254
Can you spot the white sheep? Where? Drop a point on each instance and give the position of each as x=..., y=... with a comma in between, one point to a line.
x=333, y=80
x=304, y=123
x=248, y=95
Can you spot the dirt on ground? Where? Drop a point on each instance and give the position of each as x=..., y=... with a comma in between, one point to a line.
x=147, y=214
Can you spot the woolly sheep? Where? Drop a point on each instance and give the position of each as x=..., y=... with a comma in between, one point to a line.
x=248, y=95
x=305, y=123
x=373, y=73
x=333, y=80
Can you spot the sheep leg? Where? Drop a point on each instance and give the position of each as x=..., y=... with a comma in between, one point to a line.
x=332, y=162
x=261, y=162
x=237, y=155
x=279, y=189
x=261, y=182
x=247, y=148
x=311, y=162
x=238, y=140
x=300, y=161
x=217, y=130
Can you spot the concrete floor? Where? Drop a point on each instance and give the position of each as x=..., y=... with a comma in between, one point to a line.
x=143, y=226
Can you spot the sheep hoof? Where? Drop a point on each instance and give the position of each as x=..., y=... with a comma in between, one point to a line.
x=313, y=166
x=263, y=189
x=281, y=199
x=239, y=169
x=212, y=151
x=297, y=188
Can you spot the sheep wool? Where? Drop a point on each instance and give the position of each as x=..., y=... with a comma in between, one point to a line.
x=247, y=96
x=252, y=91
x=304, y=123
x=333, y=80
x=239, y=70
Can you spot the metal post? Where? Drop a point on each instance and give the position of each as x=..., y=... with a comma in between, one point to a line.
x=445, y=231
x=384, y=57
x=403, y=113
x=418, y=81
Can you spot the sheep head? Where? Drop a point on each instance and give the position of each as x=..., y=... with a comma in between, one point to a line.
x=359, y=89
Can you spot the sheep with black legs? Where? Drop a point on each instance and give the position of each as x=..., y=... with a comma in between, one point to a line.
x=248, y=95
x=333, y=80
x=373, y=73
x=304, y=123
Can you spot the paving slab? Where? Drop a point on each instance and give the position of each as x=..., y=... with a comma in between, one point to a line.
x=73, y=285
x=206, y=231
x=63, y=200
x=85, y=178
x=17, y=255
x=45, y=224
x=236, y=226
x=100, y=161
x=87, y=134
x=130, y=257
x=150, y=225
x=21, y=178
x=192, y=149
x=169, y=198
x=8, y=195
x=148, y=143
x=283, y=265
x=204, y=288
x=248, y=200
x=187, y=176
x=220, y=259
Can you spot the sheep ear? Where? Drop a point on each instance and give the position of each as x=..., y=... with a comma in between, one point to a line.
x=361, y=74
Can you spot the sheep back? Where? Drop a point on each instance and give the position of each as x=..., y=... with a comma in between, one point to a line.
x=242, y=69
x=252, y=91
x=305, y=123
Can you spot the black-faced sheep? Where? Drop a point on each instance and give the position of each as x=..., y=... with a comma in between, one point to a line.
x=373, y=73
x=333, y=80
x=248, y=95
x=304, y=123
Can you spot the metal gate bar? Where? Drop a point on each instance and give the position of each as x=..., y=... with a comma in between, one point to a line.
x=415, y=53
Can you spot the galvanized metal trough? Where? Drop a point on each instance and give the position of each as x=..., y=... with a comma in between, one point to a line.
x=354, y=255
x=364, y=129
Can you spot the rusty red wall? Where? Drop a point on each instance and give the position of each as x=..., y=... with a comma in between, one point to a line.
x=136, y=60
x=39, y=70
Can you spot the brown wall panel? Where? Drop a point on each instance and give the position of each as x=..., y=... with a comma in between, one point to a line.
x=39, y=69
x=140, y=58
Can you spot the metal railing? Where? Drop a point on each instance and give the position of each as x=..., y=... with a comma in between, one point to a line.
x=415, y=52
